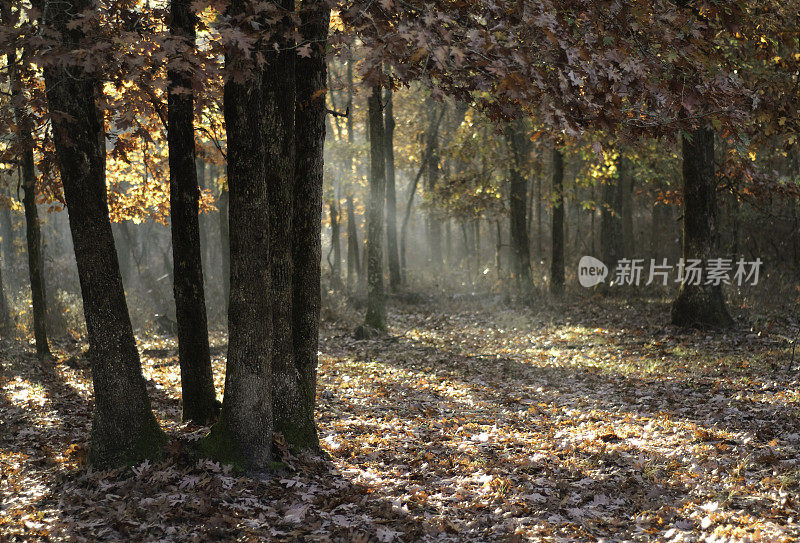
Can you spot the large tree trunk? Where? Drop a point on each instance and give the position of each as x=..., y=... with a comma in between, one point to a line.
x=391, y=201
x=699, y=305
x=7, y=233
x=124, y=428
x=197, y=378
x=376, y=300
x=243, y=434
x=298, y=425
x=279, y=86
x=557, y=261
x=520, y=244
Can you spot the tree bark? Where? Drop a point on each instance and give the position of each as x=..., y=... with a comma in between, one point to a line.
x=243, y=434
x=8, y=241
x=626, y=205
x=124, y=429
x=336, y=247
x=557, y=261
x=699, y=305
x=353, y=253
x=391, y=201
x=197, y=377
x=520, y=244
x=376, y=301
x=28, y=182
x=299, y=426
x=611, y=226
x=6, y=326
x=34, y=245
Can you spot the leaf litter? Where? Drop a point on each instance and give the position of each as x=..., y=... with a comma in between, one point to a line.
x=579, y=422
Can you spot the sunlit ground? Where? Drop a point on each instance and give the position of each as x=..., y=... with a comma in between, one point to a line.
x=480, y=424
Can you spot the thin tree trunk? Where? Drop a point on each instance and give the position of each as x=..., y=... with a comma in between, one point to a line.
x=197, y=378
x=520, y=244
x=6, y=326
x=8, y=241
x=557, y=261
x=28, y=182
x=225, y=244
x=353, y=252
x=336, y=247
x=300, y=429
x=243, y=434
x=391, y=202
x=626, y=205
x=699, y=305
x=539, y=230
x=376, y=301
x=124, y=428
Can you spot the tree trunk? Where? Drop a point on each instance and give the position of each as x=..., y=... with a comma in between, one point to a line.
x=299, y=426
x=626, y=205
x=28, y=182
x=353, y=253
x=391, y=201
x=557, y=261
x=124, y=429
x=6, y=326
x=336, y=247
x=225, y=244
x=699, y=305
x=539, y=228
x=610, y=227
x=34, y=244
x=376, y=301
x=434, y=227
x=518, y=190
x=243, y=434
x=7, y=233
x=197, y=378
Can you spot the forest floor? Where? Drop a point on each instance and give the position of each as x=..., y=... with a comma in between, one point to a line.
x=583, y=421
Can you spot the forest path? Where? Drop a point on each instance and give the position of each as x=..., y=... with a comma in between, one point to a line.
x=472, y=422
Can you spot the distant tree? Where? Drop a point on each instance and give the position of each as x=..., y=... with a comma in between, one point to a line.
x=557, y=261
x=376, y=299
x=699, y=304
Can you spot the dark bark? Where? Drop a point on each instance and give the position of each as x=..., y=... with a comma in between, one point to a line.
x=6, y=326
x=611, y=226
x=243, y=434
x=353, y=252
x=626, y=205
x=124, y=428
x=391, y=201
x=376, y=300
x=7, y=233
x=197, y=378
x=28, y=182
x=518, y=189
x=336, y=247
x=433, y=224
x=700, y=305
x=539, y=228
x=299, y=426
x=557, y=261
